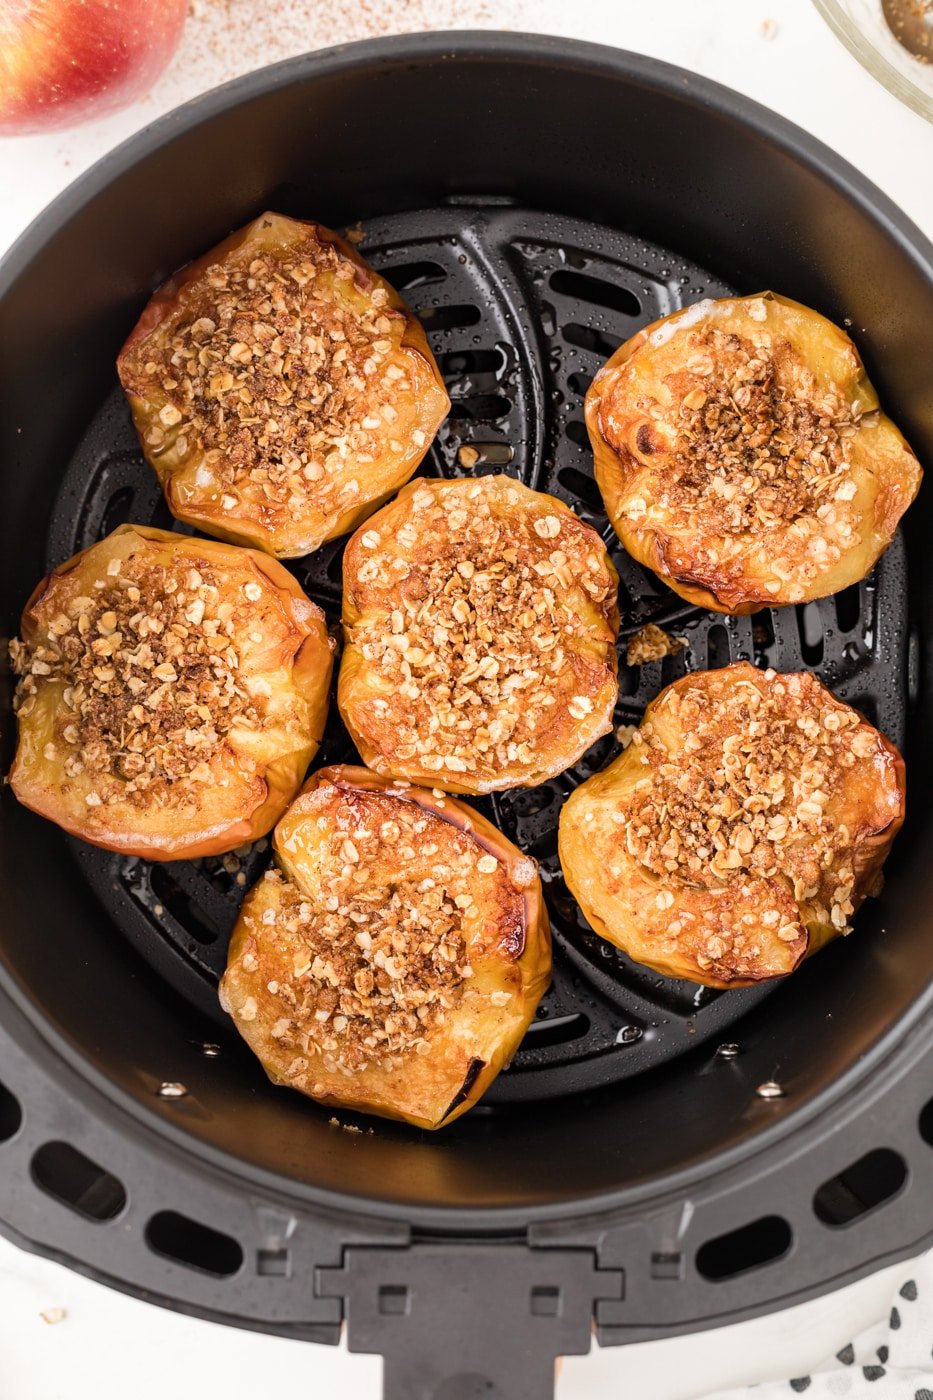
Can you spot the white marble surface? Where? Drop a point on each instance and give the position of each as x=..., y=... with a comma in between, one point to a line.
x=112, y=1347
x=107, y=1346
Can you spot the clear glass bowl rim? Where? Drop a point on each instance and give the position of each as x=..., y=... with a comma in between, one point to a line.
x=837, y=16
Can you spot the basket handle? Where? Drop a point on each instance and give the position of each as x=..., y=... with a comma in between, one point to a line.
x=458, y=1321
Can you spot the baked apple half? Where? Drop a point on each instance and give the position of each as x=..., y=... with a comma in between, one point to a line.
x=742, y=455
x=739, y=831
x=480, y=621
x=281, y=388
x=172, y=693
x=394, y=960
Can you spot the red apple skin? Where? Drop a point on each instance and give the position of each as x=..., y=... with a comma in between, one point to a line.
x=66, y=61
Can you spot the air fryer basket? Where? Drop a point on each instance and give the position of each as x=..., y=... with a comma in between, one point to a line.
x=659, y=1158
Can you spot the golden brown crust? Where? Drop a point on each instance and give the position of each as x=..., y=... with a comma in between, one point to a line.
x=742, y=456
x=395, y=960
x=745, y=823
x=172, y=693
x=281, y=389
x=480, y=621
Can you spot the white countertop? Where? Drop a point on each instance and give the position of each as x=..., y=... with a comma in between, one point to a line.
x=107, y=1346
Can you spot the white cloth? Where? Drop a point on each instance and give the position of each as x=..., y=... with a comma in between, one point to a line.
x=892, y=1360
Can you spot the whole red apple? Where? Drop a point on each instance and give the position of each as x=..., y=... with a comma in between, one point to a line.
x=64, y=61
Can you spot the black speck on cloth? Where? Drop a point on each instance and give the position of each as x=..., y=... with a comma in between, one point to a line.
x=891, y=1360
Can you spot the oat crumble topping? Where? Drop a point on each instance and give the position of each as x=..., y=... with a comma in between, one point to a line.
x=652, y=643
x=481, y=636
x=282, y=378
x=749, y=793
x=149, y=663
x=375, y=955
x=761, y=450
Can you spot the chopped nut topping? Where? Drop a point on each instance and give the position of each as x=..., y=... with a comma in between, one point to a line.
x=485, y=627
x=372, y=955
x=651, y=643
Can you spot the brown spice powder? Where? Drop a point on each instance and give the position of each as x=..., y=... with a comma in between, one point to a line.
x=224, y=38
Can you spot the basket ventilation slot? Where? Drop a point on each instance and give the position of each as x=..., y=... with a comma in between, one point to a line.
x=810, y=626
x=718, y=650
x=848, y=605
x=197, y=1246
x=418, y=274
x=926, y=1123
x=482, y=408
x=555, y=1032
x=750, y=1247
x=445, y=318
x=587, y=338
x=862, y=1187
x=594, y=290
x=455, y=363
x=77, y=1182
x=11, y=1114
x=181, y=904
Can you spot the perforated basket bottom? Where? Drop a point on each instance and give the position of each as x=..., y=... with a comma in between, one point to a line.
x=520, y=308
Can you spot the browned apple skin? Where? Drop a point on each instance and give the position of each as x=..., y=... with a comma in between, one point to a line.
x=428, y=1092
x=888, y=473
x=617, y=894
x=279, y=532
x=259, y=798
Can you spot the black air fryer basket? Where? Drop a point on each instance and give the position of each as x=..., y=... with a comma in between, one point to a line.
x=659, y=1158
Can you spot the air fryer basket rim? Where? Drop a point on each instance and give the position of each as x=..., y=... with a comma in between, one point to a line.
x=912, y=1042
x=517, y=47
x=911, y=1036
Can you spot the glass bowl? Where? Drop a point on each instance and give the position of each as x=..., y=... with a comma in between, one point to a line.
x=861, y=26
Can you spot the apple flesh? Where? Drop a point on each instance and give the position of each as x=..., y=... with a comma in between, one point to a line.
x=65, y=61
